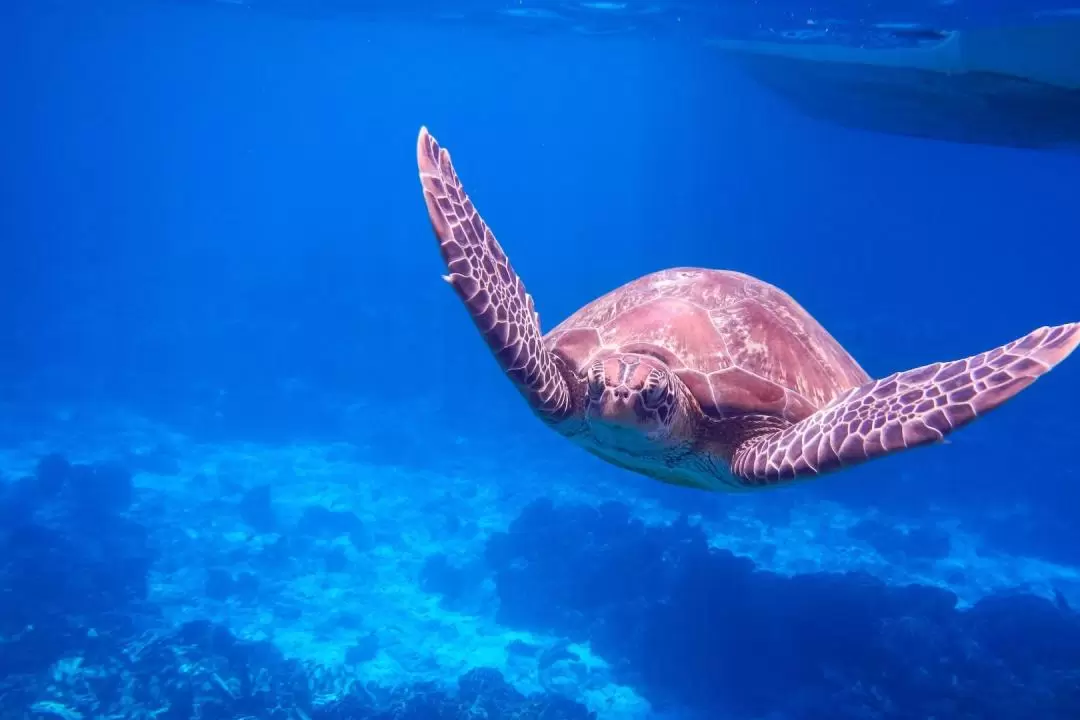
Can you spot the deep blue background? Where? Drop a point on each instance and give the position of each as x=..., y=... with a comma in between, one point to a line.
x=211, y=215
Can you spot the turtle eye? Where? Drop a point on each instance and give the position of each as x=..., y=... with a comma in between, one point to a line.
x=596, y=383
x=656, y=390
x=596, y=390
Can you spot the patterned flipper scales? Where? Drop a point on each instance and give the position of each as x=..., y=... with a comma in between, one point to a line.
x=902, y=411
x=483, y=278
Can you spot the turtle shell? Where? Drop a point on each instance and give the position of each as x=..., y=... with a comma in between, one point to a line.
x=741, y=345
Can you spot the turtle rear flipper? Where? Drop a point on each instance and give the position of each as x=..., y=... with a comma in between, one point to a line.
x=902, y=411
x=483, y=278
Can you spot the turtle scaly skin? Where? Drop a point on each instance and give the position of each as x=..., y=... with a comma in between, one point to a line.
x=904, y=410
x=483, y=278
x=709, y=378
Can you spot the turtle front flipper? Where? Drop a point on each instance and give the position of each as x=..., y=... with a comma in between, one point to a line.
x=488, y=286
x=902, y=411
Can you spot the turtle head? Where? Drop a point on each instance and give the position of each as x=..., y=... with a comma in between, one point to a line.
x=635, y=393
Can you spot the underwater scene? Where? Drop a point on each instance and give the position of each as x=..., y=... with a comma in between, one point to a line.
x=286, y=433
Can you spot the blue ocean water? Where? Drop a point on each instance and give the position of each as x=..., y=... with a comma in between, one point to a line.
x=257, y=463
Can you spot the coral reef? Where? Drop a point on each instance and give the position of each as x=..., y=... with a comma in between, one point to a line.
x=902, y=544
x=690, y=626
x=200, y=670
x=73, y=569
x=294, y=582
x=79, y=639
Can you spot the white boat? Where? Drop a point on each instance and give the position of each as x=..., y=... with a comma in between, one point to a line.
x=1011, y=86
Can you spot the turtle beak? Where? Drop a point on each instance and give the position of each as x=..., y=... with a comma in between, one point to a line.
x=617, y=408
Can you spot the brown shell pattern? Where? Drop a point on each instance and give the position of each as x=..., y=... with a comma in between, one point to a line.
x=740, y=344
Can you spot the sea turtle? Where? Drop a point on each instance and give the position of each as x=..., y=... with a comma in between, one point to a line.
x=710, y=379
